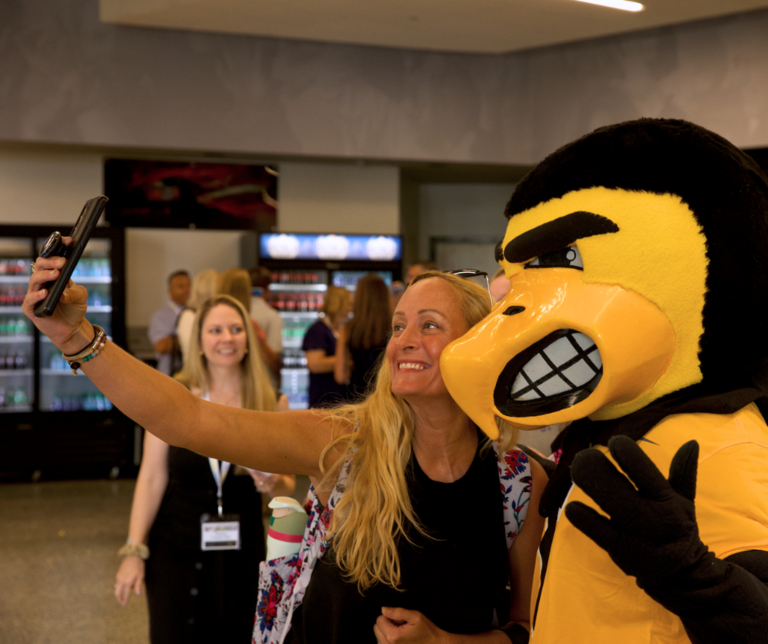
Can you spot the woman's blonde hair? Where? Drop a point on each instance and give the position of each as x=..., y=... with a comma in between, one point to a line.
x=204, y=285
x=236, y=282
x=334, y=300
x=256, y=392
x=375, y=511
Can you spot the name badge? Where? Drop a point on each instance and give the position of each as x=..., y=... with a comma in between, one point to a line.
x=220, y=533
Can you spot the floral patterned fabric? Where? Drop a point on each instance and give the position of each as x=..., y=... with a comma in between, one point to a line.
x=283, y=581
x=516, y=480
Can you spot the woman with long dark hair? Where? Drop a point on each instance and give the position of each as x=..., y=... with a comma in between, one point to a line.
x=363, y=339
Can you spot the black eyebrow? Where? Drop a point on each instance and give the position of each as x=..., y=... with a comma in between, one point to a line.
x=556, y=235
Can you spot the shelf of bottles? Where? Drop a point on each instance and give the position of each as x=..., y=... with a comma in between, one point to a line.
x=17, y=341
x=59, y=389
x=298, y=296
x=349, y=279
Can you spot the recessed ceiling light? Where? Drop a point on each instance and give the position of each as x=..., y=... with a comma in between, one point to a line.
x=625, y=5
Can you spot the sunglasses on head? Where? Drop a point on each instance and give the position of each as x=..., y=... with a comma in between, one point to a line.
x=472, y=272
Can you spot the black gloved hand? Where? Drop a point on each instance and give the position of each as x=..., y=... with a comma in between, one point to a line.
x=652, y=532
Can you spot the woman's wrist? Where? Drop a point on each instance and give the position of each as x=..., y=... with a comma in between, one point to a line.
x=134, y=549
x=79, y=338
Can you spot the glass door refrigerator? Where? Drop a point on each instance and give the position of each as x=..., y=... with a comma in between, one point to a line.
x=303, y=266
x=54, y=423
x=17, y=340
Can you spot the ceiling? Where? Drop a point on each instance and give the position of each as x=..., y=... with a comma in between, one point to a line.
x=468, y=26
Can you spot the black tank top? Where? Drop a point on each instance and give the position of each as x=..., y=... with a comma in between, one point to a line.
x=456, y=578
x=192, y=491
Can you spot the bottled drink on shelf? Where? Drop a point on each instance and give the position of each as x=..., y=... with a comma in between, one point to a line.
x=19, y=398
x=14, y=267
x=58, y=363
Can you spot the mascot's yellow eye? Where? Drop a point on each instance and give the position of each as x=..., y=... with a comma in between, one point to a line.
x=568, y=257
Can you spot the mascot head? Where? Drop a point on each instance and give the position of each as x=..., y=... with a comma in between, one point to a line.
x=637, y=258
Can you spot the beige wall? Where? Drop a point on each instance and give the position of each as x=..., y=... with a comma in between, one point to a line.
x=151, y=254
x=338, y=198
x=46, y=188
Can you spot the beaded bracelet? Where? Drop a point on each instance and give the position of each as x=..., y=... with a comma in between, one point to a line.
x=89, y=352
x=134, y=550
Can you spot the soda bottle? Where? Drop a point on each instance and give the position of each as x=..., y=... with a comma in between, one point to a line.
x=19, y=398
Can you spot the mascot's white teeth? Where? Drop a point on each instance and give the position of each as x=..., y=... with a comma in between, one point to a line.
x=566, y=365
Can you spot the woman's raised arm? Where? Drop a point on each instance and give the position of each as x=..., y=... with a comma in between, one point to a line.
x=286, y=442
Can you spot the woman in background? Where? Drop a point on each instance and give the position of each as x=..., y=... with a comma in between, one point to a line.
x=236, y=282
x=319, y=345
x=197, y=595
x=363, y=339
x=204, y=285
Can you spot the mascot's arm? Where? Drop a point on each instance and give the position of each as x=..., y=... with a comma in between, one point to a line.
x=653, y=535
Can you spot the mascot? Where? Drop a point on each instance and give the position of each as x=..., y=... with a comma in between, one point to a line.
x=638, y=262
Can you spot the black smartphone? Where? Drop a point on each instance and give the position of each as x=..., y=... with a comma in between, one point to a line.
x=54, y=247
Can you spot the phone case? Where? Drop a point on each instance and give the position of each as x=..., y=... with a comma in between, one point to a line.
x=80, y=234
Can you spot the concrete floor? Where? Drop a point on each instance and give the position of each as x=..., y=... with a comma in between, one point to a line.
x=58, y=545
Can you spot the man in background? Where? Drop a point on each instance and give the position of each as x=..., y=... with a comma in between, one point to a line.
x=397, y=288
x=162, y=326
x=499, y=285
x=419, y=267
x=266, y=317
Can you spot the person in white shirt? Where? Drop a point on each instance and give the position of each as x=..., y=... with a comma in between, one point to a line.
x=162, y=326
x=266, y=317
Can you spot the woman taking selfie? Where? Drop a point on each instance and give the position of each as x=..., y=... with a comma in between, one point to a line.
x=419, y=548
x=197, y=595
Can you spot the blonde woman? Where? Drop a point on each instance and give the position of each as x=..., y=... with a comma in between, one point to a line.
x=204, y=285
x=197, y=595
x=319, y=346
x=236, y=282
x=418, y=548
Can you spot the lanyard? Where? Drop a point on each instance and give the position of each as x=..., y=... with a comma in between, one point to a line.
x=219, y=475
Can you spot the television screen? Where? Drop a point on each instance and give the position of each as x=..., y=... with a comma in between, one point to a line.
x=180, y=194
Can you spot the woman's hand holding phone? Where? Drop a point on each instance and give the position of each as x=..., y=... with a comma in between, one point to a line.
x=67, y=327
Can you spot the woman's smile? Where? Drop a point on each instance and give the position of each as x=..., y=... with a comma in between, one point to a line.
x=427, y=319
